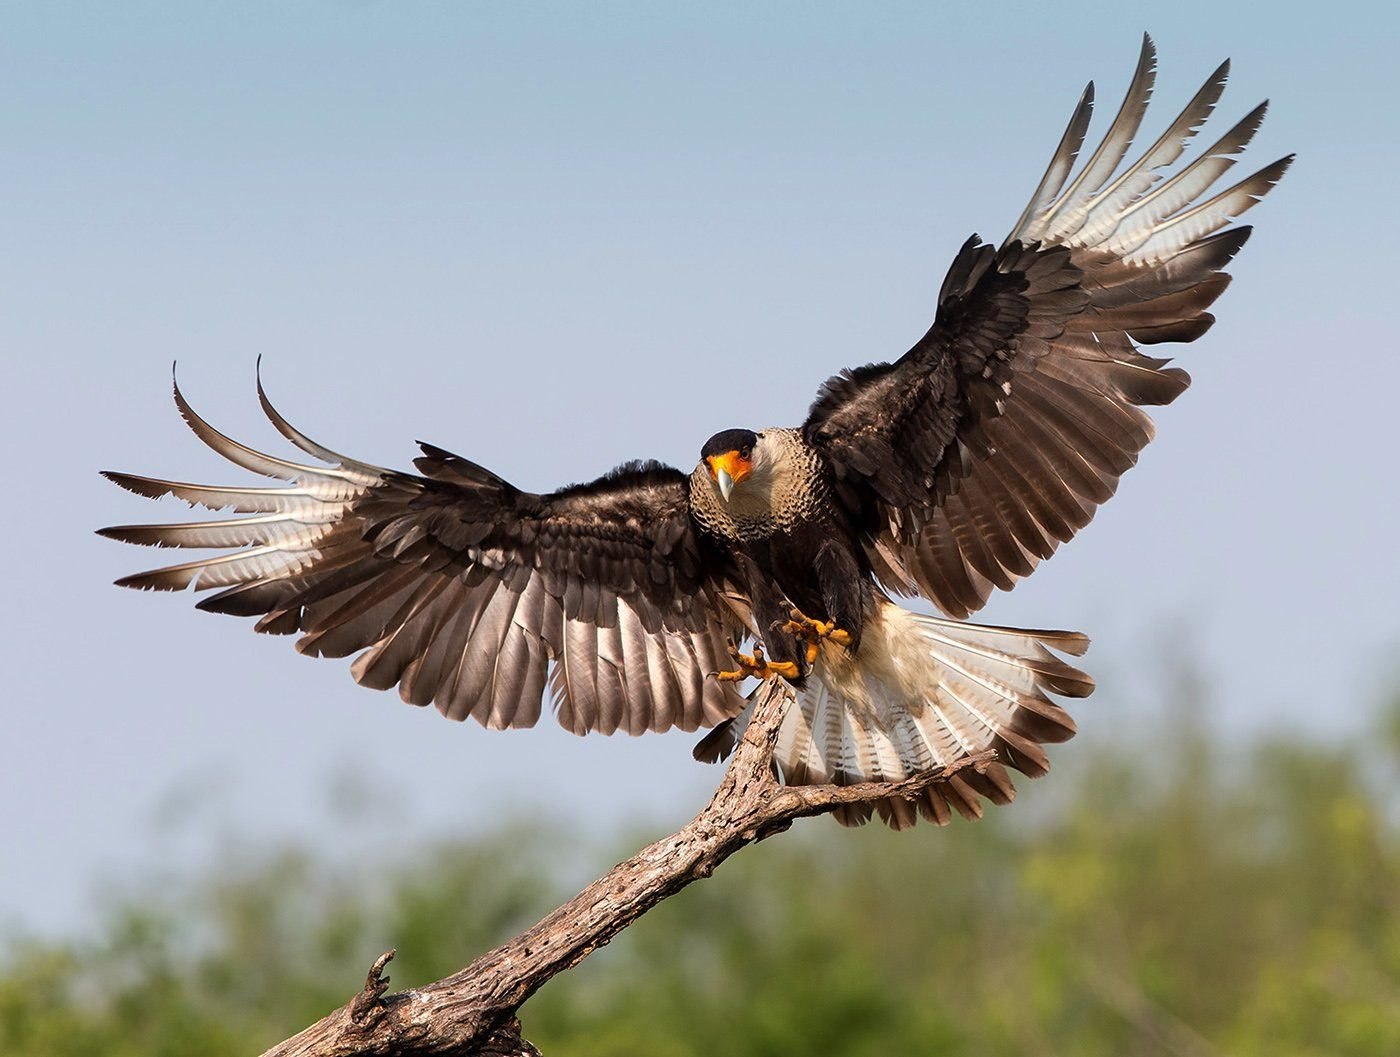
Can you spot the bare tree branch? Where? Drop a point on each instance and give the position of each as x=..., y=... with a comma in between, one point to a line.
x=472, y=1011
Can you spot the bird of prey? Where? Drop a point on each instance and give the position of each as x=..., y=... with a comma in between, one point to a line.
x=948, y=472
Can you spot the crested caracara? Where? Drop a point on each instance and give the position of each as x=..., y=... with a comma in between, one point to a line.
x=949, y=472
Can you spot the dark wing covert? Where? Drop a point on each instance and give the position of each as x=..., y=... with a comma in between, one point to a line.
x=464, y=591
x=995, y=438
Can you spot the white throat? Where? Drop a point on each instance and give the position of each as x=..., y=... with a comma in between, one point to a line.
x=779, y=489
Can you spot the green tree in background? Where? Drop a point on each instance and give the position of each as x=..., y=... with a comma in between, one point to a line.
x=1211, y=901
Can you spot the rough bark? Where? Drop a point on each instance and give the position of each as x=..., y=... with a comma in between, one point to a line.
x=472, y=1012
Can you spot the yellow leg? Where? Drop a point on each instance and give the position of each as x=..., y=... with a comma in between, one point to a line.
x=814, y=631
x=758, y=666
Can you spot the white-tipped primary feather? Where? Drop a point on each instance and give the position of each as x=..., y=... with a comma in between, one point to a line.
x=305, y=443
x=1104, y=207
x=1191, y=182
x=1061, y=162
x=1068, y=213
x=259, y=563
x=260, y=462
x=278, y=529
x=1165, y=238
x=296, y=501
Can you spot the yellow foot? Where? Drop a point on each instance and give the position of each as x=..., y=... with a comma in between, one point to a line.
x=758, y=666
x=813, y=631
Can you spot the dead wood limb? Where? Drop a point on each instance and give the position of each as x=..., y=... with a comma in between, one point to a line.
x=366, y=1004
x=472, y=1011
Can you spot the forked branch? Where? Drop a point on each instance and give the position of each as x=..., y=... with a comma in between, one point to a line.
x=472, y=1011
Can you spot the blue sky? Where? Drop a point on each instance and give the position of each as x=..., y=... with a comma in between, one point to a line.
x=555, y=237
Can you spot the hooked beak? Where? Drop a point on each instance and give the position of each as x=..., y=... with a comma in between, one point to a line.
x=725, y=482
x=728, y=470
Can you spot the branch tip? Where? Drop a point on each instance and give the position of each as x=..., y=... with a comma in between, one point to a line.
x=364, y=1004
x=473, y=1010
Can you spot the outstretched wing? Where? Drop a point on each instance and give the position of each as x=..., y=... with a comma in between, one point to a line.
x=463, y=590
x=996, y=437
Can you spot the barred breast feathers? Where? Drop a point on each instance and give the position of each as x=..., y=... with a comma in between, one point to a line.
x=786, y=488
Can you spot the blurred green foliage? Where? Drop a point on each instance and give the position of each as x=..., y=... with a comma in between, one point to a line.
x=1195, y=900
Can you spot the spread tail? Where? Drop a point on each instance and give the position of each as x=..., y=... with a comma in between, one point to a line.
x=922, y=692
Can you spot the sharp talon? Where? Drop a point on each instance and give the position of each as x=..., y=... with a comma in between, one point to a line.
x=812, y=632
x=758, y=666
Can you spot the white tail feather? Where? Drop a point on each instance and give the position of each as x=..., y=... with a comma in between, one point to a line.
x=925, y=692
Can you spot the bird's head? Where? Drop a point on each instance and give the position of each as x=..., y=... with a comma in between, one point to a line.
x=729, y=457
